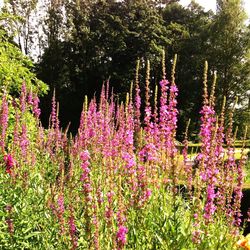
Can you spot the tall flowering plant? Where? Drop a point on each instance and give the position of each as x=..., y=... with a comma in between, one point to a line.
x=121, y=182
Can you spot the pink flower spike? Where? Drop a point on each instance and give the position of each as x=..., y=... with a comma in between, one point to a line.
x=85, y=156
x=9, y=162
x=121, y=235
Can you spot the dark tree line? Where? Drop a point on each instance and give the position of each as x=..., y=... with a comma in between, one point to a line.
x=86, y=42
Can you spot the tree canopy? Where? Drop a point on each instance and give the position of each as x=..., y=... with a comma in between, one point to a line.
x=85, y=43
x=15, y=67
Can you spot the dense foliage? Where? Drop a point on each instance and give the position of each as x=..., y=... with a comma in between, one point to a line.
x=84, y=43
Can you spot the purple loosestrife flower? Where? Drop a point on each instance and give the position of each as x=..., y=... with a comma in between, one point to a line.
x=229, y=170
x=141, y=173
x=147, y=111
x=197, y=236
x=143, y=191
x=36, y=109
x=58, y=134
x=88, y=125
x=30, y=98
x=60, y=211
x=108, y=210
x=53, y=111
x=121, y=219
x=219, y=155
x=100, y=198
x=72, y=229
x=129, y=137
x=219, y=161
x=147, y=194
x=163, y=103
x=219, y=144
x=105, y=128
x=206, y=158
x=91, y=121
x=155, y=123
x=171, y=132
x=120, y=134
x=168, y=116
x=130, y=162
x=55, y=137
x=127, y=146
x=24, y=141
x=16, y=135
x=96, y=233
x=238, y=191
x=164, y=112
x=125, y=132
x=129, y=128
x=85, y=156
x=95, y=221
x=81, y=131
x=149, y=153
x=173, y=112
x=102, y=128
x=85, y=178
x=4, y=112
x=208, y=123
x=137, y=108
x=210, y=206
x=137, y=100
x=23, y=97
x=107, y=90
x=141, y=185
x=9, y=163
x=121, y=237
x=103, y=100
x=211, y=172
x=147, y=119
x=60, y=203
x=110, y=196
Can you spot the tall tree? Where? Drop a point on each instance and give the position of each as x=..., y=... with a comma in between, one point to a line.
x=15, y=68
x=229, y=50
x=187, y=28
x=26, y=24
x=103, y=41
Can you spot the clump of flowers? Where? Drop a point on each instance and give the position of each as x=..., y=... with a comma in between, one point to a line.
x=9, y=163
x=4, y=112
x=121, y=237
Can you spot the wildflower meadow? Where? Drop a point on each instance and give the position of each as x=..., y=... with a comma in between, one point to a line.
x=123, y=181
